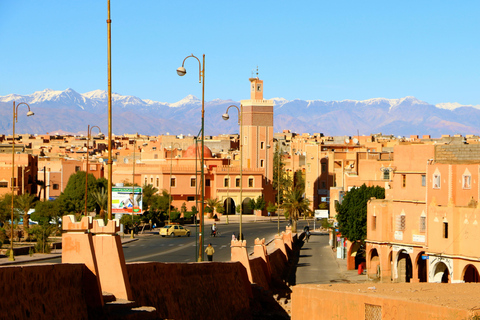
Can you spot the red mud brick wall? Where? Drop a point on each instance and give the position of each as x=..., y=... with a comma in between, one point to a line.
x=259, y=272
x=209, y=290
x=278, y=263
x=49, y=291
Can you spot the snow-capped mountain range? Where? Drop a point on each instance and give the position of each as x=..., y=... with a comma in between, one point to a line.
x=70, y=111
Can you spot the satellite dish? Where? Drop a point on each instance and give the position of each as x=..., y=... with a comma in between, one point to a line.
x=347, y=141
x=355, y=140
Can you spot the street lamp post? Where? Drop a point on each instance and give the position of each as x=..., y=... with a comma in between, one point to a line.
x=225, y=116
x=109, y=72
x=170, y=182
x=15, y=119
x=89, y=132
x=201, y=79
x=132, y=236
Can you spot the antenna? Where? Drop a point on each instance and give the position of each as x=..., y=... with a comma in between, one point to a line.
x=257, y=72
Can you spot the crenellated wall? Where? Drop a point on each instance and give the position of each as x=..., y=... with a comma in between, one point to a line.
x=47, y=291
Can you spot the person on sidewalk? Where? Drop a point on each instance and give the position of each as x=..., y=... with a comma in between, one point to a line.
x=210, y=251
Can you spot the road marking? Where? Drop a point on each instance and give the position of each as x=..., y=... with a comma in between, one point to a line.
x=157, y=254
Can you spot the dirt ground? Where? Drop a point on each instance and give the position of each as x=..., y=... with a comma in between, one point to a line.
x=457, y=295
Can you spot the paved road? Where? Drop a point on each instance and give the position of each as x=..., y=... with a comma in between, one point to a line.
x=152, y=247
x=317, y=263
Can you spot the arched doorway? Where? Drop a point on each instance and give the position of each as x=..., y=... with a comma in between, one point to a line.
x=246, y=209
x=375, y=270
x=470, y=274
x=421, y=267
x=357, y=253
x=404, y=267
x=442, y=274
x=229, y=206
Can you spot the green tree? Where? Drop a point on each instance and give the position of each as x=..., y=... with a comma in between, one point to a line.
x=272, y=208
x=295, y=204
x=72, y=199
x=212, y=205
x=299, y=181
x=5, y=208
x=25, y=202
x=101, y=199
x=148, y=191
x=352, y=212
x=260, y=203
x=281, y=181
x=45, y=212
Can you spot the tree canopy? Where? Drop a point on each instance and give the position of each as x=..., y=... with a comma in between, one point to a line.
x=295, y=204
x=352, y=212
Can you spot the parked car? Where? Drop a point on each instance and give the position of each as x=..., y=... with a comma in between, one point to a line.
x=174, y=230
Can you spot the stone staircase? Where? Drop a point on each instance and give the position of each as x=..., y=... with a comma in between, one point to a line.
x=119, y=309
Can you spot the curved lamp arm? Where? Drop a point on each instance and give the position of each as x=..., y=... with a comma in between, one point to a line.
x=182, y=71
x=225, y=116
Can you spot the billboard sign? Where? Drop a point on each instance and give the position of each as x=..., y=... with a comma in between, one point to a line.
x=127, y=200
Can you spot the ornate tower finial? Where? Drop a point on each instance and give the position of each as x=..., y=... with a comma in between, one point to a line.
x=257, y=72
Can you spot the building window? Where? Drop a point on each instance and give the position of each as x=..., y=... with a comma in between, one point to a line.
x=237, y=182
x=146, y=180
x=424, y=180
x=158, y=181
x=154, y=148
x=445, y=230
x=3, y=184
x=262, y=145
x=404, y=180
x=309, y=169
x=172, y=182
x=262, y=163
x=207, y=183
x=77, y=168
x=374, y=222
x=250, y=182
x=308, y=184
x=401, y=222
x=190, y=198
x=324, y=184
x=467, y=182
x=226, y=182
x=151, y=180
x=423, y=224
x=155, y=156
x=193, y=182
x=386, y=175
x=436, y=181
x=324, y=167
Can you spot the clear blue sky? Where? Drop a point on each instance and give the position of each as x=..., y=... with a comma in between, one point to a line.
x=327, y=50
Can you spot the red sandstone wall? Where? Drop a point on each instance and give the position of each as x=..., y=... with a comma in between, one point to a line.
x=210, y=290
x=311, y=303
x=259, y=272
x=278, y=262
x=49, y=291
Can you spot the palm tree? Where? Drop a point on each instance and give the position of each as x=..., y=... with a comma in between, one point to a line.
x=25, y=202
x=212, y=204
x=148, y=191
x=295, y=204
x=101, y=199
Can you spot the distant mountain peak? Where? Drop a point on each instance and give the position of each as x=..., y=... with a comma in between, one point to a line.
x=190, y=99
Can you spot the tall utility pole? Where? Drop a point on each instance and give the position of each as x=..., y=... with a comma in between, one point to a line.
x=110, y=161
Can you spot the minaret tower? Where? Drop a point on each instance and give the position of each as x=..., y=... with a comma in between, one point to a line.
x=258, y=130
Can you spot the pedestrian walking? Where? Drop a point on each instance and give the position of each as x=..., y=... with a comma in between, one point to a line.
x=233, y=237
x=210, y=251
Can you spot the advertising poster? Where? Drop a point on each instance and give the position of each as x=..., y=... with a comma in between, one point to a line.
x=126, y=200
